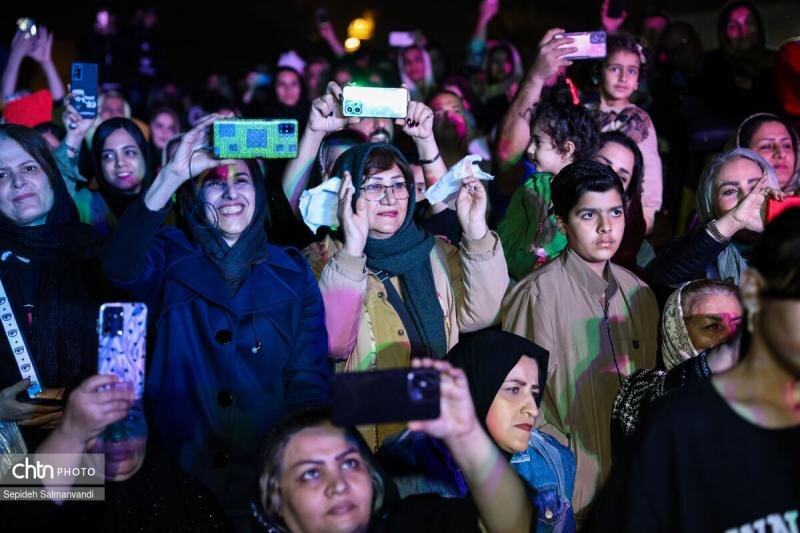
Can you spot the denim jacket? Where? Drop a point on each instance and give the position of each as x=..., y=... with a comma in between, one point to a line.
x=549, y=469
x=420, y=464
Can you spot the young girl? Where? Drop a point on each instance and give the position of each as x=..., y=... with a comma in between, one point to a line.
x=561, y=132
x=618, y=79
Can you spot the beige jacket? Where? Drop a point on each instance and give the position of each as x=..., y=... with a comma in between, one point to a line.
x=365, y=332
x=561, y=308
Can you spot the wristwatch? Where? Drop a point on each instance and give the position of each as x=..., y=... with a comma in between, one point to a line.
x=713, y=230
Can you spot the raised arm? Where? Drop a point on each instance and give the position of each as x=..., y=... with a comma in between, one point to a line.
x=418, y=125
x=20, y=46
x=40, y=51
x=514, y=134
x=497, y=490
x=477, y=46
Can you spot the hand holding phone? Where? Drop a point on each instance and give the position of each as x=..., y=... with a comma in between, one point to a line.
x=83, y=89
x=384, y=396
x=375, y=102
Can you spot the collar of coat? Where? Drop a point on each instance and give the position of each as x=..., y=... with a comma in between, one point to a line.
x=598, y=287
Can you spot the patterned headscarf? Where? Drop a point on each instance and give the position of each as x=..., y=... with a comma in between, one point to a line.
x=676, y=346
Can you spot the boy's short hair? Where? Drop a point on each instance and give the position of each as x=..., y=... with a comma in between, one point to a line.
x=578, y=178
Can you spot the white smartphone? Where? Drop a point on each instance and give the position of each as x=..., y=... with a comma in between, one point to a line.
x=590, y=44
x=374, y=102
x=401, y=39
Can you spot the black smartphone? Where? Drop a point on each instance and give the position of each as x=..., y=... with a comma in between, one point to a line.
x=83, y=84
x=615, y=8
x=382, y=396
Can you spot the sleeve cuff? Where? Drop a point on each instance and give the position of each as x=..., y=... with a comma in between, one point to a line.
x=351, y=266
x=488, y=243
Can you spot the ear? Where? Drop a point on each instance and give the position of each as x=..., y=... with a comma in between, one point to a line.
x=568, y=150
x=750, y=288
x=561, y=225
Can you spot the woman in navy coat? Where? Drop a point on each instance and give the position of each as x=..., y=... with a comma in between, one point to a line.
x=239, y=327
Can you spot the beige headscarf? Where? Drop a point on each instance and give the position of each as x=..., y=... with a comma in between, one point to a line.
x=676, y=346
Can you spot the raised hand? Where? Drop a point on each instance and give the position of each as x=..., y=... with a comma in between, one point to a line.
x=418, y=123
x=42, y=46
x=551, y=49
x=457, y=412
x=471, y=208
x=611, y=25
x=193, y=156
x=326, y=111
x=23, y=412
x=355, y=224
x=77, y=126
x=749, y=213
x=98, y=401
x=488, y=10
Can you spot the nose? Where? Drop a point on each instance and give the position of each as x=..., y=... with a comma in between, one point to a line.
x=623, y=74
x=337, y=485
x=529, y=408
x=229, y=191
x=17, y=180
x=388, y=197
x=604, y=223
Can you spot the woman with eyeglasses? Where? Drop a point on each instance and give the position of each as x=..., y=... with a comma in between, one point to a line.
x=392, y=291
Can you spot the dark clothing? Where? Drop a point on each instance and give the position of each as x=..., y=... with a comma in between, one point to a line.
x=428, y=513
x=690, y=257
x=632, y=238
x=159, y=497
x=702, y=467
x=224, y=366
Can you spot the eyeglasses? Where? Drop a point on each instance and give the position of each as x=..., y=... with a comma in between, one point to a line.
x=374, y=192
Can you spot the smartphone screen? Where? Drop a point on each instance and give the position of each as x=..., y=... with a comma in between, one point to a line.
x=776, y=207
x=590, y=45
x=382, y=396
x=122, y=329
x=247, y=139
x=374, y=102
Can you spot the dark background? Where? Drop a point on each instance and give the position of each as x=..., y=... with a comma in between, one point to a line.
x=233, y=35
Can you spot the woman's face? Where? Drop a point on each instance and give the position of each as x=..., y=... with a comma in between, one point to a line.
x=324, y=484
x=122, y=162
x=513, y=411
x=26, y=196
x=619, y=158
x=414, y=65
x=620, y=76
x=773, y=142
x=712, y=320
x=163, y=127
x=113, y=107
x=287, y=88
x=544, y=154
x=123, y=443
x=230, y=200
x=501, y=65
x=742, y=29
x=734, y=181
x=388, y=213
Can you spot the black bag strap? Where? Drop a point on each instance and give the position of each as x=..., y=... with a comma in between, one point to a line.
x=418, y=348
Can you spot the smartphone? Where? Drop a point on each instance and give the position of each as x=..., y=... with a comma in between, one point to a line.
x=248, y=139
x=401, y=39
x=590, y=44
x=121, y=330
x=382, y=396
x=374, y=102
x=39, y=400
x=615, y=8
x=27, y=26
x=776, y=207
x=83, y=84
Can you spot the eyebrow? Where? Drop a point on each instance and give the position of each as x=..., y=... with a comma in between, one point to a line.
x=339, y=457
x=597, y=209
x=382, y=178
x=123, y=148
x=787, y=138
x=736, y=183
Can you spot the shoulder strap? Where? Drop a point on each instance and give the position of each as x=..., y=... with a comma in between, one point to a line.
x=17, y=342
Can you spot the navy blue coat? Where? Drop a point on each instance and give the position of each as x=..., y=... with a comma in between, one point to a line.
x=223, y=368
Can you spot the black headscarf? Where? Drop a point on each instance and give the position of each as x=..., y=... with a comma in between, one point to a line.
x=487, y=357
x=234, y=263
x=405, y=254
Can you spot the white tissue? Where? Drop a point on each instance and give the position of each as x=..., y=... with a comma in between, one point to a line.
x=318, y=206
x=446, y=189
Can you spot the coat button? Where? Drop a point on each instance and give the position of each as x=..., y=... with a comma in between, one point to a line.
x=400, y=332
x=380, y=295
x=223, y=336
x=224, y=398
x=221, y=459
x=549, y=514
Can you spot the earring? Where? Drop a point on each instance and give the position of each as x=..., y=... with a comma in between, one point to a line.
x=752, y=311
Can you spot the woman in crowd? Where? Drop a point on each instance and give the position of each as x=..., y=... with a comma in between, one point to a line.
x=144, y=491
x=747, y=419
x=730, y=200
x=698, y=319
x=774, y=139
x=290, y=99
x=561, y=132
x=51, y=277
x=241, y=335
x=618, y=79
x=597, y=320
x=164, y=125
x=416, y=72
x=621, y=153
x=392, y=291
x=507, y=377
x=319, y=478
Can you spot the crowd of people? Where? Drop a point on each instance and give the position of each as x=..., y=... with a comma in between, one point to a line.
x=610, y=304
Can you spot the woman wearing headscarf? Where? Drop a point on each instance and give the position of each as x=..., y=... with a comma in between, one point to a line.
x=775, y=139
x=416, y=72
x=507, y=376
x=730, y=197
x=52, y=279
x=241, y=337
x=391, y=290
x=699, y=318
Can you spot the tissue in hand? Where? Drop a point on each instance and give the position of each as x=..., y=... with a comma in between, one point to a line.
x=446, y=189
x=318, y=206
